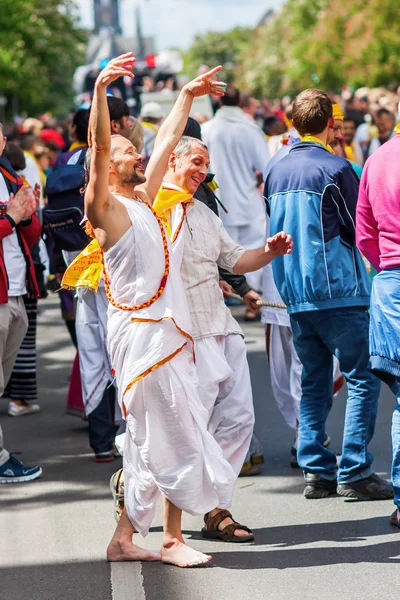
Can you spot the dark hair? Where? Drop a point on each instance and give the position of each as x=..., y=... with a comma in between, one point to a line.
x=192, y=129
x=245, y=100
x=80, y=121
x=232, y=96
x=312, y=110
x=15, y=156
x=117, y=108
x=27, y=140
x=274, y=126
x=351, y=118
x=384, y=112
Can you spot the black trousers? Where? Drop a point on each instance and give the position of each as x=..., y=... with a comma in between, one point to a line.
x=101, y=421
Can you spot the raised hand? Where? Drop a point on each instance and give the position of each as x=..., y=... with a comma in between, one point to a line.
x=279, y=244
x=204, y=84
x=19, y=204
x=117, y=67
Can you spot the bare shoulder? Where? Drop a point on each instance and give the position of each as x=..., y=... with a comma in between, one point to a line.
x=112, y=225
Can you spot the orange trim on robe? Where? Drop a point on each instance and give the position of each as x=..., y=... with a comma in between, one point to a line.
x=147, y=372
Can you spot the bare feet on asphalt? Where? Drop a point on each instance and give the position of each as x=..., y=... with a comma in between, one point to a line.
x=118, y=551
x=177, y=553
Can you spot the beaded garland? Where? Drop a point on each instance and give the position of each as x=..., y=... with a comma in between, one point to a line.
x=164, y=279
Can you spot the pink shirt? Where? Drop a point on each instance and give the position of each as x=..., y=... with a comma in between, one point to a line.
x=378, y=207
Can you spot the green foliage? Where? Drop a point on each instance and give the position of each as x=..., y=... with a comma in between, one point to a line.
x=215, y=48
x=40, y=47
x=311, y=43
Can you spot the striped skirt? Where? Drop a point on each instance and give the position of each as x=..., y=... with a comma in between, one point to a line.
x=23, y=384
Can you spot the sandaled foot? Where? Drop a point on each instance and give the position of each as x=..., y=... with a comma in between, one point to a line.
x=179, y=554
x=223, y=527
x=118, y=551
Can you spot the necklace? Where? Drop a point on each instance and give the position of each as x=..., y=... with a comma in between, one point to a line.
x=164, y=278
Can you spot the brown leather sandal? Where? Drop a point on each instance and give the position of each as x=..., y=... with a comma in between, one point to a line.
x=227, y=534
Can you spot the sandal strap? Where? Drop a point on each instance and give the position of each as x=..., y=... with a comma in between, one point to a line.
x=230, y=529
x=212, y=523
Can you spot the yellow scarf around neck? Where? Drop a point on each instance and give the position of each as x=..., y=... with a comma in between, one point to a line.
x=86, y=269
x=312, y=138
x=76, y=145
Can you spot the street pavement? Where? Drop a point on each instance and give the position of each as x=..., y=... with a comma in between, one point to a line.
x=54, y=531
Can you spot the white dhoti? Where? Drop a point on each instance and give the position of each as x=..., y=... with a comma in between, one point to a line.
x=91, y=333
x=225, y=391
x=284, y=363
x=168, y=449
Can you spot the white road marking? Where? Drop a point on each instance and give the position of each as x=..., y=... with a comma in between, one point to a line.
x=127, y=581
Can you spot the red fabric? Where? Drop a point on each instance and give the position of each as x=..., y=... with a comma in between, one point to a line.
x=30, y=235
x=51, y=135
x=75, y=404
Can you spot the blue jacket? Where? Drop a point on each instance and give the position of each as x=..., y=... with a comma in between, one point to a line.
x=312, y=195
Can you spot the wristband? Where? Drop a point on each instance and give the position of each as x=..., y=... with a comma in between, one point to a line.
x=26, y=222
x=10, y=220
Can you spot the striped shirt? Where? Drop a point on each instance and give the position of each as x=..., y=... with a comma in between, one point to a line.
x=207, y=247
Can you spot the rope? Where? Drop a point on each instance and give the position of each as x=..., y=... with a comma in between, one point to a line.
x=259, y=302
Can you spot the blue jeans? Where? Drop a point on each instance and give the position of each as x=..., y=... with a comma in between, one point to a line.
x=396, y=444
x=318, y=336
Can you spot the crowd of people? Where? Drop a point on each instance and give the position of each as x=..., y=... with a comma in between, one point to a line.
x=145, y=228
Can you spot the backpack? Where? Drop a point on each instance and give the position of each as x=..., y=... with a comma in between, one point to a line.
x=65, y=209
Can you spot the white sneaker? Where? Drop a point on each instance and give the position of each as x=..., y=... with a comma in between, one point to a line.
x=17, y=410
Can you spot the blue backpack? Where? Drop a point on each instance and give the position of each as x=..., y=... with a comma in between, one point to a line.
x=65, y=209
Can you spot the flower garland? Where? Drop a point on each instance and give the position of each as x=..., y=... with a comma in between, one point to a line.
x=164, y=279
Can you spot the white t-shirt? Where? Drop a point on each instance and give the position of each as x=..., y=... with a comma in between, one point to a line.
x=13, y=258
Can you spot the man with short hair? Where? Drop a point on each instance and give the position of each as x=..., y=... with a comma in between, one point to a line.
x=351, y=147
x=385, y=122
x=249, y=106
x=221, y=362
x=238, y=152
x=325, y=286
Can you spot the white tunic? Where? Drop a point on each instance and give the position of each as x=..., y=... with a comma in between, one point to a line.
x=167, y=446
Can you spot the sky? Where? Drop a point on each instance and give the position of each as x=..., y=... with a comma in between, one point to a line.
x=174, y=23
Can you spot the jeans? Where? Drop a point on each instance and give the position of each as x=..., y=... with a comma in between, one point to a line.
x=101, y=422
x=318, y=336
x=396, y=445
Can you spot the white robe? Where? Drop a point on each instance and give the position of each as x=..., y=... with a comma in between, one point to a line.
x=168, y=449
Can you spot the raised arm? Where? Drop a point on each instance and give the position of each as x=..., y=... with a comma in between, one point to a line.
x=172, y=129
x=98, y=200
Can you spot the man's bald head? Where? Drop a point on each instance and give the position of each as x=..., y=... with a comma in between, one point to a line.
x=125, y=163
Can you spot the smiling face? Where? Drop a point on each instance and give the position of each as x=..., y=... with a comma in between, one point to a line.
x=126, y=164
x=189, y=170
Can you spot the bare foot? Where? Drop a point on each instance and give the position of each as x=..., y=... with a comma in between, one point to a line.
x=119, y=551
x=177, y=553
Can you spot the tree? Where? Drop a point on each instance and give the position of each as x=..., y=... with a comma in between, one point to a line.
x=215, y=48
x=41, y=45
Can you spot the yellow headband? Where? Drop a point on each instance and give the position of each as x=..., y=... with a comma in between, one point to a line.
x=337, y=112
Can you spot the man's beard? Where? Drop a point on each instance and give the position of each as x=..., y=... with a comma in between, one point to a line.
x=131, y=176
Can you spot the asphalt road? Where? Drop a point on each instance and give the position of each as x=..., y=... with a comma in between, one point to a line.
x=54, y=531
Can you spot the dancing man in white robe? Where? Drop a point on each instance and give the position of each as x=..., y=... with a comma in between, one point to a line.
x=168, y=449
x=221, y=361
